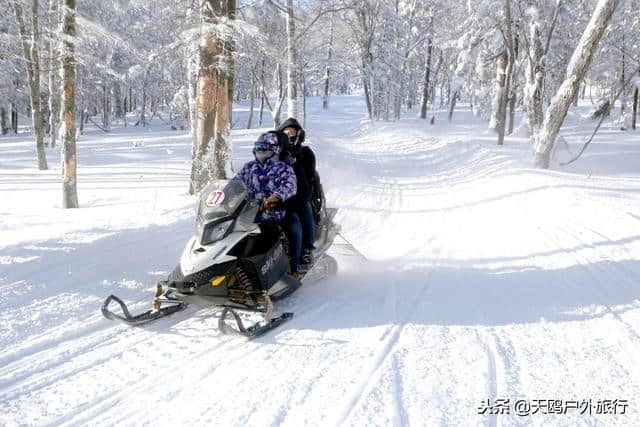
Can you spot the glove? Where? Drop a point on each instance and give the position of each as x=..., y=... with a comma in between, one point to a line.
x=270, y=203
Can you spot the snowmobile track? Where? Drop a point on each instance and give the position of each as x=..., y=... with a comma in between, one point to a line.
x=229, y=346
x=367, y=376
x=587, y=265
x=99, y=405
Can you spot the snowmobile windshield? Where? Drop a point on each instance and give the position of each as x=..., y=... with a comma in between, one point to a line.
x=220, y=199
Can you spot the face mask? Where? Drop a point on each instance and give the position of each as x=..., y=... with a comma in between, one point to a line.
x=263, y=155
x=292, y=138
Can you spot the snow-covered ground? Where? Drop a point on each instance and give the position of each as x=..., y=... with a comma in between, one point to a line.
x=481, y=279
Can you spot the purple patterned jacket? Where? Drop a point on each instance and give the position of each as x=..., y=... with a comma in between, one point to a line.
x=263, y=180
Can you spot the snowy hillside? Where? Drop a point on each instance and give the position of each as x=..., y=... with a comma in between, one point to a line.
x=479, y=278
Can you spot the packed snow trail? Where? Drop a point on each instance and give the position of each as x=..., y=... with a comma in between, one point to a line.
x=481, y=278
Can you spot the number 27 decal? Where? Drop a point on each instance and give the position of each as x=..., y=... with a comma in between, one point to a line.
x=215, y=198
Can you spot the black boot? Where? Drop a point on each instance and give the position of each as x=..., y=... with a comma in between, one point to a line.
x=307, y=257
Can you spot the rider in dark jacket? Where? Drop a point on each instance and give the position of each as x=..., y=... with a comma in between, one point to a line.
x=304, y=164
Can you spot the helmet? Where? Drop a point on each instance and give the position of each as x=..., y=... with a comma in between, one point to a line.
x=266, y=147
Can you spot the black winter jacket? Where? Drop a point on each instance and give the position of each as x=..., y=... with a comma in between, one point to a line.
x=304, y=155
x=304, y=188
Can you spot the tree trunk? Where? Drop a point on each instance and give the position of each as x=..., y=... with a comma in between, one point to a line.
x=497, y=117
x=325, y=98
x=276, y=112
x=425, y=87
x=251, y=98
x=117, y=98
x=205, y=105
x=222, y=151
x=262, y=95
x=533, y=88
x=14, y=119
x=434, y=82
x=635, y=109
x=623, y=96
x=31, y=56
x=304, y=100
x=3, y=120
x=367, y=92
x=292, y=64
x=222, y=148
x=452, y=104
x=578, y=66
x=105, y=107
x=142, y=120
x=54, y=96
x=68, y=107
x=513, y=86
x=81, y=107
x=229, y=58
x=212, y=151
x=143, y=110
x=504, y=71
x=192, y=79
x=46, y=113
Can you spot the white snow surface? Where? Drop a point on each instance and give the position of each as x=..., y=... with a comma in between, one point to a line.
x=481, y=278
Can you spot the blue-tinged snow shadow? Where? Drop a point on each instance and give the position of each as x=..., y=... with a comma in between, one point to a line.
x=53, y=287
x=459, y=293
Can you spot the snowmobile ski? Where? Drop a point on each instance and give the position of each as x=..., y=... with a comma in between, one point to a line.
x=254, y=331
x=128, y=319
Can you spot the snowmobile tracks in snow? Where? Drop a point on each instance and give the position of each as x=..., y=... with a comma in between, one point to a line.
x=235, y=350
x=105, y=335
x=188, y=366
x=613, y=268
x=372, y=370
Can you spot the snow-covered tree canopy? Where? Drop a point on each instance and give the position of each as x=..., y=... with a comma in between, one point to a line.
x=142, y=56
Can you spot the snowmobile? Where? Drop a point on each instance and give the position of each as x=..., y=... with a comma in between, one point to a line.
x=229, y=263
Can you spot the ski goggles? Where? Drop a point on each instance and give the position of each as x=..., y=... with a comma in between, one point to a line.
x=267, y=141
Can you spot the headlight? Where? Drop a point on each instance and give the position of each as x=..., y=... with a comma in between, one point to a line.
x=215, y=232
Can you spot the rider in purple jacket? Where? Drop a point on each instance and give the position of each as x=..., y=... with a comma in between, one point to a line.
x=268, y=179
x=271, y=181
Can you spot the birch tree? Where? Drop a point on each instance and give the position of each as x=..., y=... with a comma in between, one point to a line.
x=292, y=63
x=54, y=101
x=30, y=41
x=224, y=97
x=634, y=109
x=212, y=150
x=578, y=66
x=427, y=75
x=504, y=71
x=325, y=98
x=68, y=107
x=534, y=77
